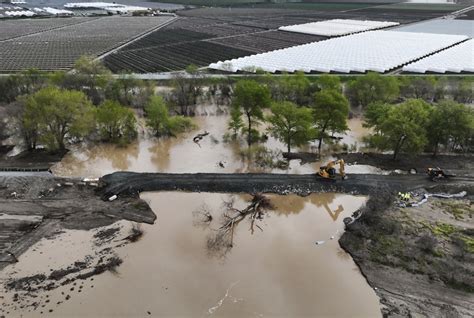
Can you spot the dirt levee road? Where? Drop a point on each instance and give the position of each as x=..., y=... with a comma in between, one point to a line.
x=121, y=183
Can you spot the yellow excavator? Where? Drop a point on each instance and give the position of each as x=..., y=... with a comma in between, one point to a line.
x=329, y=171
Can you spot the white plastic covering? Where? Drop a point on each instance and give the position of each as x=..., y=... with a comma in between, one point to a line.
x=457, y=59
x=337, y=27
x=55, y=11
x=22, y=13
x=112, y=7
x=378, y=51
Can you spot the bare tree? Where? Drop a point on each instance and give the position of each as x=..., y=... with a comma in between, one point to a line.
x=187, y=87
x=221, y=240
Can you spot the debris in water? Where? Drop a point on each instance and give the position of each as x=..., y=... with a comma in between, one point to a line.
x=199, y=137
x=220, y=302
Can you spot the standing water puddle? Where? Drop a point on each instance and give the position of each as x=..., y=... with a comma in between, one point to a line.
x=278, y=271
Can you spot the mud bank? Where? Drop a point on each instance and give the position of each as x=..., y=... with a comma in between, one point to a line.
x=38, y=160
x=124, y=183
x=37, y=206
x=419, y=260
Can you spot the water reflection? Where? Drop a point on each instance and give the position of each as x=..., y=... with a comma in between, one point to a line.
x=292, y=204
x=178, y=155
x=253, y=210
x=279, y=271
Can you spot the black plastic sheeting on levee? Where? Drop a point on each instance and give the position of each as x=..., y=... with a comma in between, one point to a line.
x=132, y=183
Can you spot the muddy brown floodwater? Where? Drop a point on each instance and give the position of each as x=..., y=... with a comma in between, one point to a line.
x=181, y=154
x=292, y=267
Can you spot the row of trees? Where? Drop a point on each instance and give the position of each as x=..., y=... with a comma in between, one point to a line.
x=294, y=125
x=52, y=108
x=53, y=116
x=89, y=76
x=415, y=125
x=92, y=78
x=372, y=87
x=412, y=126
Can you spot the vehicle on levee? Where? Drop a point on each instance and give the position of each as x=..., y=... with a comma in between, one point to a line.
x=437, y=174
x=329, y=171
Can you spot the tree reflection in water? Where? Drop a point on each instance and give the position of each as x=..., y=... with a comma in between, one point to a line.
x=221, y=239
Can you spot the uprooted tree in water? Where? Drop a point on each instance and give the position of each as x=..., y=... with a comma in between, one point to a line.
x=221, y=240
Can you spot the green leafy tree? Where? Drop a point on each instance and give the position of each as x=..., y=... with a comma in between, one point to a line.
x=54, y=114
x=236, y=123
x=130, y=91
x=89, y=76
x=291, y=124
x=402, y=127
x=187, y=88
x=116, y=123
x=463, y=91
x=27, y=82
x=450, y=123
x=327, y=81
x=160, y=121
x=290, y=87
x=249, y=99
x=330, y=111
x=375, y=113
x=422, y=87
x=373, y=87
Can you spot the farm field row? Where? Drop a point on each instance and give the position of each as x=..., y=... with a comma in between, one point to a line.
x=60, y=48
x=234, y=33
x=15, y=28
x=223, y=33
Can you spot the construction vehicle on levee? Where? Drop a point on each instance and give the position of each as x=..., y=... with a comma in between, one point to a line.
x=329, y=171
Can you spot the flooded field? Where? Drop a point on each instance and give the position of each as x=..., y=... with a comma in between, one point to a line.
x=290, y=266
x=181, y=154
x=284, y=261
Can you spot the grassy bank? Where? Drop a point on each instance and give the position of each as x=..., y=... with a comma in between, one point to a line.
x=419, y=258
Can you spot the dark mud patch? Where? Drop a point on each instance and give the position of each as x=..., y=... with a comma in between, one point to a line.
x=31, y=160
x=4, y=149
x=60, y=204
x=28, y=283
x=106, y=235
x=304, y=157
x=35, y=293
x=136, y=234
x=61, y=273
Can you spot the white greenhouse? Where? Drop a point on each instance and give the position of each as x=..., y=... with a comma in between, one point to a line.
x=378, y=51
x=457, y=59
x=337, y=27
